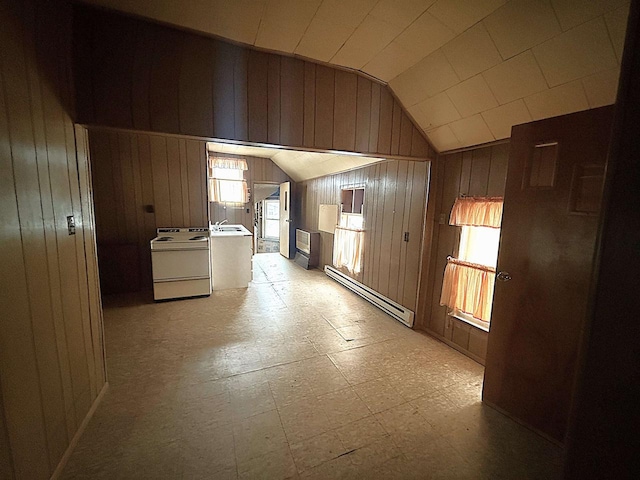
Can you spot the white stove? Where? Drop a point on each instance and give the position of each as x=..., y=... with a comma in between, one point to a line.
x=181, y=263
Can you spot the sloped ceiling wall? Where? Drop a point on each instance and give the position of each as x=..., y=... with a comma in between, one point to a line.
x=466, y=70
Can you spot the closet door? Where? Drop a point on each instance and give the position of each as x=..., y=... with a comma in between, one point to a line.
x=551, y=205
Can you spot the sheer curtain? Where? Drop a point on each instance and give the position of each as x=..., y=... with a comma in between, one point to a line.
x=468, y=286
x=347, y=249
x=226, y=180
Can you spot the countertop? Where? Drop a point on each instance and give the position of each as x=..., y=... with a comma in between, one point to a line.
x=229, y=231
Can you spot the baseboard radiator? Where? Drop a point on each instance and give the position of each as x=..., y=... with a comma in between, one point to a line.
x=397, y=311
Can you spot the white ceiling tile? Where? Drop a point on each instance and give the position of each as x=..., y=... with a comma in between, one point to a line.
x=334, y=22
x=400, y=13
x=459, y=15
x=472, y=96
x=390, y=62
x=577, y=53
x=426, y=78
x=237, y=21
x=567, y=98
x=437, y=111
x=571, y=13
x=617, y=26
x=472, y=131
x=516, y=78
x=418, y=115
x=371, y=36
x=425, y=35
x=501, y=119
x=472, y=52
x=323, y=38
x=443, y=139
x=284, y=22
x=601, y=88
x=520, y=25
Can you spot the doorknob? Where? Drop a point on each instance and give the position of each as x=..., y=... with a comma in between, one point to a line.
x=503, y=276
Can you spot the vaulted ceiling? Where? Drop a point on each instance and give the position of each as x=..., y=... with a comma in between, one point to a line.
x=466, y=70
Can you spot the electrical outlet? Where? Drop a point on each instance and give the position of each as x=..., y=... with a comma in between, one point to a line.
x=406, y=236
x=71, y=225
x=442, y=219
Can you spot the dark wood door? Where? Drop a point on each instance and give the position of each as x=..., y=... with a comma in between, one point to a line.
x=552, y=197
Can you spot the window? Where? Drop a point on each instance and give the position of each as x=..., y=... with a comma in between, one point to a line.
x=469, y=279
x=226, y=180
x=349, y=235
x=271, y=219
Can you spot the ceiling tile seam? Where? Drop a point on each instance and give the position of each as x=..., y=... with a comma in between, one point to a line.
x=613, y=47
x=584, y=89
x=264, y=8
x=313, y=17
x=553, y=9
x=494, y=41
x=535, y=58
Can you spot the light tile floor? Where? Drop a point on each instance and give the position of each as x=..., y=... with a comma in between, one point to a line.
x=294, y=377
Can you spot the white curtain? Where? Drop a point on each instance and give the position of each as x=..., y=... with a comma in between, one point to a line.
x=347, y=249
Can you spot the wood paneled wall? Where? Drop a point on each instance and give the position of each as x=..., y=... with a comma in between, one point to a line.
x=260, y=170
x=51, y=350
x=134, y=74
x=395, y=199
x=141, y=182
x=478, y=172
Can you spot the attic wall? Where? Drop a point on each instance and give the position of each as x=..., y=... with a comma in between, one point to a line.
x=395, y=199
x=137, y=75
x=477, y=172
x=51, y=348
x=145, y=181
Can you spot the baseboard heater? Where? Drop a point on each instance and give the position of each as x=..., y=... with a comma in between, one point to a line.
x=397, y=311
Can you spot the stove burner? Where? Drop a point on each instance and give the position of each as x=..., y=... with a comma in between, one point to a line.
x=164, y=239
x=199, y=237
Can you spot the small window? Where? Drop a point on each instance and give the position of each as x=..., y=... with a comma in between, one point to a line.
x=226, y=180
x=271, y=219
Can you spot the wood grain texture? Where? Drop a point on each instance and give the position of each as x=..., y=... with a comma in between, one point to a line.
x=167, y=174
x=133, y=73
x=394, y=198
x=480, y=172
x=291, y=101
x=51, y=366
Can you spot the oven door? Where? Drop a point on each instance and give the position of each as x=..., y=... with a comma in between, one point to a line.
x=180, y=264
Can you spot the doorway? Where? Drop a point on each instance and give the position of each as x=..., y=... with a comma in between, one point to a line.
x=266, y=222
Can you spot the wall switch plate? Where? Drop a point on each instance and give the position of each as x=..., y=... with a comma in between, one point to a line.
x=442, y=220
x=71, y=225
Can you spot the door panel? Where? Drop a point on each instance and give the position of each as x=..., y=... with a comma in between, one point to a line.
x=546, y=248
x=285, y=219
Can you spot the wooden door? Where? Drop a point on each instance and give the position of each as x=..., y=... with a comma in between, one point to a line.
x=552, y=196
x=285, y=219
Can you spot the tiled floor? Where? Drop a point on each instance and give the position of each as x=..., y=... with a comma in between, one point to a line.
x=294, y=377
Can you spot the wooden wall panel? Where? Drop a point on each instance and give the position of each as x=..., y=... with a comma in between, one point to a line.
x=223, y=94
x=394, y=203
x=477, y=172
x=291, y=101
x=363, y=115
x=166, y=188
x=325, y=94
x=130, y=72
x=344, y=111
x=273, y=99
x=164, y=94
x=258, y=96
x=51, y=366
x=195, y=96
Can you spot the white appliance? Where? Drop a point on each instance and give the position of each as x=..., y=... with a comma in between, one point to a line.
x=180, y=263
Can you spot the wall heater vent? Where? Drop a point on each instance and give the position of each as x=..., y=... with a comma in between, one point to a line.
x=397, y=311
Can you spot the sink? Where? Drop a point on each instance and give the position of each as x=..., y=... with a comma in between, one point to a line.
x=229, y=228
